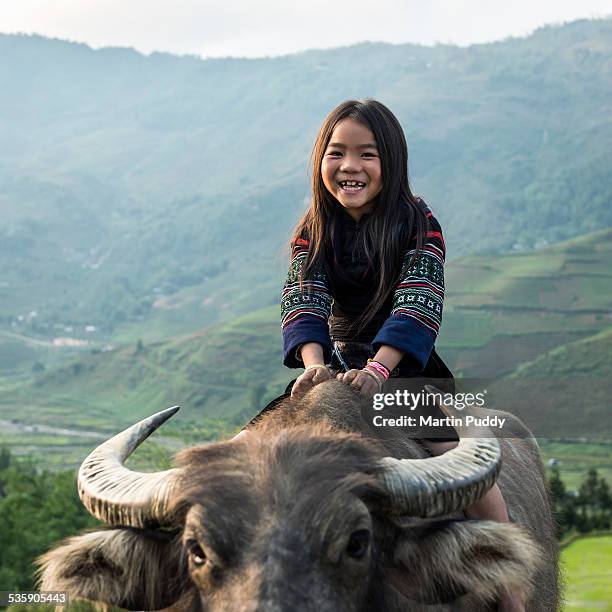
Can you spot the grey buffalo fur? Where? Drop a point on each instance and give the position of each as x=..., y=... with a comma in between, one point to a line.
x=291, y=518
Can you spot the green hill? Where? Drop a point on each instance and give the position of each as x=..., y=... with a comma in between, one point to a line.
x=543, y=315
x=505, y=310
x=215, y=372
x=564, y=392
x=148, y=196
x=540, y=322
x=590, y=357
x=221, y=376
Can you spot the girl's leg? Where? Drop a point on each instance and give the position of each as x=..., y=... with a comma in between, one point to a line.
x=489, y=507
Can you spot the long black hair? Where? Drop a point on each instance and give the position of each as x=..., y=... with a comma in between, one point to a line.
x=397, y=218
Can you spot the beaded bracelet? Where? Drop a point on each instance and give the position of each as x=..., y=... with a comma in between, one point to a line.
x=379, y=367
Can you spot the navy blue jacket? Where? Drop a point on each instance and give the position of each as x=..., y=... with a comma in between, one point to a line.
x=337, y=295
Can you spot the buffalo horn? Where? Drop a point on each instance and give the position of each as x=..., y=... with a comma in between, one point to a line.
x=441, y=485
x=119, y=496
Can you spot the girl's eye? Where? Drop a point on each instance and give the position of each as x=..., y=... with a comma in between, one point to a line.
x=334, y=153
x=369, y=154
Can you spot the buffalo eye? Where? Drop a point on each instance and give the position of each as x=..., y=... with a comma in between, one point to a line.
x=197, y=554
x=358, y=544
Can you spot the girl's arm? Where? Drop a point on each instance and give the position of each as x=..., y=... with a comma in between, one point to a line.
x=311, y=354
x=416, y=312
x=389, y=356
x=305, y=310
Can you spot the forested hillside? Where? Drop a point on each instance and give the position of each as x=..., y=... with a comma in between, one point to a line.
x=151, y=195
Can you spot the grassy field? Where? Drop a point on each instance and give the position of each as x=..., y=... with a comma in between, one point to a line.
x=587, y=564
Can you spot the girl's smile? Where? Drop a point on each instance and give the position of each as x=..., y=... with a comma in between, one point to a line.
x=351, y=167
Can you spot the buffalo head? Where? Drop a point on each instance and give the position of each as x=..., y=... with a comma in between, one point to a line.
x=299, y=517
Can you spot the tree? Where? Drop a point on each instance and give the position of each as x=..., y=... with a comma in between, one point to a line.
x=5, y=458
x=37, y=509
x=557, y=487
x=564, y=504
x=595, y=503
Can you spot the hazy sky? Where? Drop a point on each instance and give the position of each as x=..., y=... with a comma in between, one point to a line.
x=213, y=28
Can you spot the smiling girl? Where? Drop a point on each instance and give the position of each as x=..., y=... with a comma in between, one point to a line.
x=364, y=293
x=366, y=274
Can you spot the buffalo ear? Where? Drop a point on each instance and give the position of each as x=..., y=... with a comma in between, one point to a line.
x=439, y=562
x=129, y=568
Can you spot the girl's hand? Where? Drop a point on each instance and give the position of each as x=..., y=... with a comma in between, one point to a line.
x=365, y=382
x=308, y=380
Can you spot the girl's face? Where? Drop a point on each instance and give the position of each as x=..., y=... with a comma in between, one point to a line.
x=351, y=167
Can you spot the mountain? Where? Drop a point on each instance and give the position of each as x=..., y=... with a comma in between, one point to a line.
x=148, y=196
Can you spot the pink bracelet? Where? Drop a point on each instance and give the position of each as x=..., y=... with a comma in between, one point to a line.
x=378, y=367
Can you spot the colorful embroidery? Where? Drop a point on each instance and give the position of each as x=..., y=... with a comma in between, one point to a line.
x=314, y=299
x=418, y=298
x=420, y=293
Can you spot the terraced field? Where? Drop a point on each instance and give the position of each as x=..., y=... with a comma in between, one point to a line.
x=543, y=316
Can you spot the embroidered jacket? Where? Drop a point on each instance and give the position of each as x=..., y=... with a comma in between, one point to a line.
x=409, y=321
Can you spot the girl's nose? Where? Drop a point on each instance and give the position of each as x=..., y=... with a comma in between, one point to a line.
x=350, y=163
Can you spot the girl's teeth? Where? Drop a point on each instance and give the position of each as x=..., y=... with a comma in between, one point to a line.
x=352, y=185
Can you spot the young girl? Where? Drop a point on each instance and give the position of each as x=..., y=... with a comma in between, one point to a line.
x=366, y=277
x=363, y=231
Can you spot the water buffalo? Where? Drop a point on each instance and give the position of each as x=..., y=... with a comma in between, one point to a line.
x=311, y=512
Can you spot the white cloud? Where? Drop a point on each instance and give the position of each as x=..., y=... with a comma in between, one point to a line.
x=268, y=27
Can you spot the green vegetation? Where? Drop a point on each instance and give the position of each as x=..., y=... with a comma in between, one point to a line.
x=546, y=340
x=124, y=209
x=142, y=257
x=587, y=565
x=585, y=510
x=503, y=312
x=220, y=373
x=575, y=459
x=589, y=357
x=36, y=510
